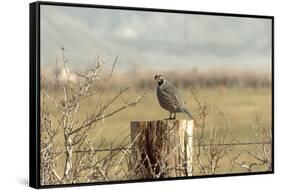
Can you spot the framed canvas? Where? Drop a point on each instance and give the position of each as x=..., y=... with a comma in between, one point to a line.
x=126, y=94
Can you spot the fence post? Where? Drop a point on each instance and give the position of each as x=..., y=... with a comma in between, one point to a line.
x=162, y=148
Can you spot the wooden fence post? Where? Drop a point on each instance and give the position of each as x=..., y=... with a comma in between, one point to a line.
x=162, y=148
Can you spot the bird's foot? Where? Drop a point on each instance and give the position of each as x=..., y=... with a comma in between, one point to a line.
x=170, y=118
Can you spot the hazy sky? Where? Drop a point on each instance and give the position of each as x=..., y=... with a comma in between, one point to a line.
x=154, y=40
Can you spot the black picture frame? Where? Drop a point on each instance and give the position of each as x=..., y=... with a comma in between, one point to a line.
x=34, y=91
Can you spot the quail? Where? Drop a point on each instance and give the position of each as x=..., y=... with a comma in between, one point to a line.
x=169, y=98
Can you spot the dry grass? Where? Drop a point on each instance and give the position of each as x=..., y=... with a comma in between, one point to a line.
x=86, y=116
x=240, y=107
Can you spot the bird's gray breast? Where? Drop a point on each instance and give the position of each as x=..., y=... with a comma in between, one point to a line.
x=168, y=97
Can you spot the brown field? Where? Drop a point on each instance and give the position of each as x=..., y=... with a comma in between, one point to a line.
x=240, y=106
x=230, y=107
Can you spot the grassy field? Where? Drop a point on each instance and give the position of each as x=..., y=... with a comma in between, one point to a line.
x=240, y=106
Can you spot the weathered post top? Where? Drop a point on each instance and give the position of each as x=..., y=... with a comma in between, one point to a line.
x=162, y=148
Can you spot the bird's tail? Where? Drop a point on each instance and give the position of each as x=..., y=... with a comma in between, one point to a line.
x=187, y=112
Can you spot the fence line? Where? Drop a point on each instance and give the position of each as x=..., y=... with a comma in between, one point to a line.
x=202, y=145
x=235, y=144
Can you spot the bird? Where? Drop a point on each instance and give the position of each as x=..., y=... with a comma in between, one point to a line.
x=169, y=98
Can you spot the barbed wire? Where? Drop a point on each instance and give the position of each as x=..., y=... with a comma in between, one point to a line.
x=235, y=144
x=202, y=145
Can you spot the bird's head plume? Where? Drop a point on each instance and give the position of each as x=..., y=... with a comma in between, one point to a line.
x=159, y=79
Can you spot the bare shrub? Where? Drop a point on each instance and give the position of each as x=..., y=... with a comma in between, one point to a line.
x=211, y=151
x=50, y=151
x=260, y=153
x=86, y=165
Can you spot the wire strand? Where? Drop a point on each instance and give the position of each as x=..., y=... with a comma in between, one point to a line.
x=202, y=145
